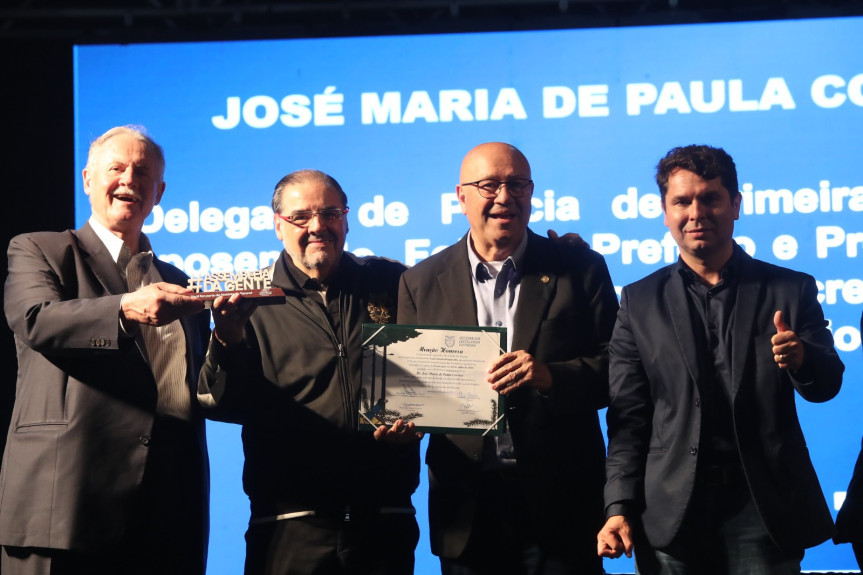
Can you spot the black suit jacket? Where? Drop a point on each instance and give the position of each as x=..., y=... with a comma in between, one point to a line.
x=849, y=520
x=565, y=315
x=85, y=397
x=654, y=416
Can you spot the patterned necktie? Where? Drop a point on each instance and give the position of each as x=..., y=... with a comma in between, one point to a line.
x=123, y=262
x=138, y=269
x=164, y=348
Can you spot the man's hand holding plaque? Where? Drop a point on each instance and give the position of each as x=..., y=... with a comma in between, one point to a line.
x=230, y=314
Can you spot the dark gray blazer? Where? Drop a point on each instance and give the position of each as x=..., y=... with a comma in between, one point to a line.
x=85, y=398
x=565, y=315
x=654, y=416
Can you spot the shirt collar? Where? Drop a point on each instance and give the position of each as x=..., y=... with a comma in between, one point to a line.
x=303, y=280
x=114, y=244
x=480, y=271
x=726, y=274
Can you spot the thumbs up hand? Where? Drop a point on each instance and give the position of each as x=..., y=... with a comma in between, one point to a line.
x=787, y=348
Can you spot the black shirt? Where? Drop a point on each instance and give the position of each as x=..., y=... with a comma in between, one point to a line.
x=712, y=315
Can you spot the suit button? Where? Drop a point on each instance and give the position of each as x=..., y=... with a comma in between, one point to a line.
x=144, y=440
x=697, y=402
x=693, y=450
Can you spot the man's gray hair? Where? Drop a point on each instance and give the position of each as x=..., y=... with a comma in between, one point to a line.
x=137, y=132
x=302, y=176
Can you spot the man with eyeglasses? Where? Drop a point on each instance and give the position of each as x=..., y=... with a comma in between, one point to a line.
x=529, y=501
x=325, y=498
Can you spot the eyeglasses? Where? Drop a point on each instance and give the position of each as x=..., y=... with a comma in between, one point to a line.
x=517, y=188
x=304, y=218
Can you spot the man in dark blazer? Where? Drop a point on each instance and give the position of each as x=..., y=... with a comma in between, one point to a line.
x=849, y=520
x=105, y=469
x=708, y=470
x=530, y=499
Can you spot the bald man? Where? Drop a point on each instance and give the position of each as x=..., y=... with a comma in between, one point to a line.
x=531, y=500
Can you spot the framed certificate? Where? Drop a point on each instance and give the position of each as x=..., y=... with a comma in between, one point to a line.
x=434, y=376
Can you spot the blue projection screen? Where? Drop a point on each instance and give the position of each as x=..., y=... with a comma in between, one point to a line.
x=593, y=110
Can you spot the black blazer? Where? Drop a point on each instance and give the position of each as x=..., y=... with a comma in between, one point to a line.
x=565, y=315
x=85, y=398
x=849, y=520
x=654, y=416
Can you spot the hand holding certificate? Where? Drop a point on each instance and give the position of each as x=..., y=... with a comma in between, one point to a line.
x=435, y=377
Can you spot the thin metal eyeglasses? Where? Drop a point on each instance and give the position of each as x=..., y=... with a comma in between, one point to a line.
x=304, y=218
x=490, y=188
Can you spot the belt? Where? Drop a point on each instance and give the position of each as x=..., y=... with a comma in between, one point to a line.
x=341, y=516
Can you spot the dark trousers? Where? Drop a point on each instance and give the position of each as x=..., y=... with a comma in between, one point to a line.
x=502, y=541
x=372, y=545
x=164, y=533
x=721, y=533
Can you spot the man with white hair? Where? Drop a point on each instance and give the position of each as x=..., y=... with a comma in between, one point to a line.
x=105, y=469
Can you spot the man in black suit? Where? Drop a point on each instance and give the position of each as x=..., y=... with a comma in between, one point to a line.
x=531, y=500
x=105, y=469
x=849, y=520
x=708, y=470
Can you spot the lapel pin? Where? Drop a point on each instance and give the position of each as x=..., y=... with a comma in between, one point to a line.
x=544, y=279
